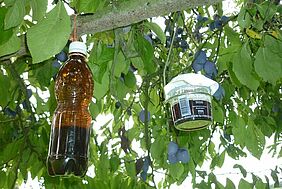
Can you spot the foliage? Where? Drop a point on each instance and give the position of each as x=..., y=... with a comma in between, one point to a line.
x=130, y=67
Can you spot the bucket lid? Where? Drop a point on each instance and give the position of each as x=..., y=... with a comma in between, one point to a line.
x=190, y=80
x=77, y=46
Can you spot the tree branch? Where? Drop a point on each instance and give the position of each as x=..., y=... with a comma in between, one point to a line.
x=130, y=12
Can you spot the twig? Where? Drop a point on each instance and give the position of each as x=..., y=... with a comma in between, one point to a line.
x=218, y=46
x=169, y=53
x=117, y=46
x=146, y=123
x=189, y=33
x=22, y=86
x=210, y=140
x=20, y=152
x=8, y=120
x=75, y=11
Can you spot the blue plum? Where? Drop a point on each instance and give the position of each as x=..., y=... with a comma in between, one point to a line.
x=149, y=38
x=143, y=176
x=61, y=56
x=29, y=93
x=197, y=67
x=172, y=148
x=224, y=19
x=9, y=112
x=118, y=105
x=182, y=155
x=200, y=57
x=56, y=64
x=210, y=68
x=146, y=164
x=219, y=94
x=142, y=116
x=172, y=159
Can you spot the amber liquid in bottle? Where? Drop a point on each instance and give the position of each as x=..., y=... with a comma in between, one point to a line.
x=70, y=130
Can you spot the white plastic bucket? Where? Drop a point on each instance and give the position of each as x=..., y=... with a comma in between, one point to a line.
x=189, y=96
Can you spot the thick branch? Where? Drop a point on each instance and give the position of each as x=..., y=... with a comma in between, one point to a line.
x=128, y=12
x=131, y=12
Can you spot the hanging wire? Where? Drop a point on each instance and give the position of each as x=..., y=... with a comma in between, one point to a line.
x=74, y=33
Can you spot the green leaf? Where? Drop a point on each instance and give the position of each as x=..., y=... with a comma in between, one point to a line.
x=268, y=60
x=87, y=6
x=130, y=168
x=5, y=35
x=137, y=63
x=242, y=67
x=158, y=31
x=3, y=179
x=157, y=148
x=101, y=54
x=11, y=151
x=38, y=9
x=15, y=14
x=100, y=90
x=50, y=34
x=243, y=184
x=221, y=159
x=244, y=19
x=255, y=139
x=218, y=160
x=11, y=46
x=120, y=65
x=11, y=178
x=36, y=168
x=218, y=114
x=154, y=101
x=146, y=52
x=229, y=184
x=243, y=171
x=4, y=86
x=275, y=177
x=43, y=73
x=260, y=185
x=239, y=130
x=233, y=37
x=266, y=9
x=130, y=80
x=176, y=170
x=95, y=109
x=114, y=162
x=9, y=3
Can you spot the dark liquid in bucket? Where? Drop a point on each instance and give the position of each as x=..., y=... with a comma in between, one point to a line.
x=191, y=114
x=68, y=151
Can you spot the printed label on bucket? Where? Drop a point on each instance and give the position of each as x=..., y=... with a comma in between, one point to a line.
x=185, y=108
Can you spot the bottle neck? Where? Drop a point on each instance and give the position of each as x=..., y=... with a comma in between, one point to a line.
x=77, y=55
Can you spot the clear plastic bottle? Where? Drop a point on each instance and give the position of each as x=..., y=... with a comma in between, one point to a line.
x=70, y=130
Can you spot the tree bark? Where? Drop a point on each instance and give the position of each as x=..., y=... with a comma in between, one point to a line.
x=126, y=13
x=131, y=12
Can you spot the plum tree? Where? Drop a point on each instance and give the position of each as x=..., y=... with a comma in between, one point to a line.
x=134, y=49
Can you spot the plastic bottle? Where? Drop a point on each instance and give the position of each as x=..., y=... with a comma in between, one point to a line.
x=70, y=129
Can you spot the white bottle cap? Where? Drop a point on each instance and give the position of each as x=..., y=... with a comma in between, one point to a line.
x=77, y=46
